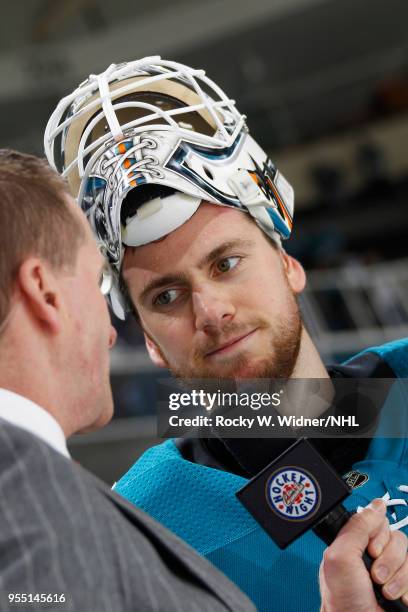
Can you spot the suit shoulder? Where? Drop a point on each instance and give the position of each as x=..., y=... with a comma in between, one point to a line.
x=19, y=448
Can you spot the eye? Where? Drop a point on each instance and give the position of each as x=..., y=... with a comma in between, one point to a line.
x=166, y=297
x=227, y=264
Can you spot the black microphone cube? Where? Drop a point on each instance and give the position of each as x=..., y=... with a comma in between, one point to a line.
x=293, y=493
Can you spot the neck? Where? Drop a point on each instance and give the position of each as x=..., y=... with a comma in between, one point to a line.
x=305, y=399
x=309, y=363
x=32, y=372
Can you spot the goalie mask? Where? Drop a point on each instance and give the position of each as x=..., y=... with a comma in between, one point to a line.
x=143, y=143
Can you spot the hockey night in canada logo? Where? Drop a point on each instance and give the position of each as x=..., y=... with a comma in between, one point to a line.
x=293, y=494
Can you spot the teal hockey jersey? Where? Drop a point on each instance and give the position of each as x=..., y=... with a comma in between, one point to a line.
x=198, y=503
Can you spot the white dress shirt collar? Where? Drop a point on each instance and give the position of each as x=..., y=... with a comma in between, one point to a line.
x=24, y=413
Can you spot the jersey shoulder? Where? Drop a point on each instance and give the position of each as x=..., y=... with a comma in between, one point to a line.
x=394, y=354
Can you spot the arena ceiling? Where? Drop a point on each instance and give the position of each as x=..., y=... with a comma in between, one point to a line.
x=297, y=67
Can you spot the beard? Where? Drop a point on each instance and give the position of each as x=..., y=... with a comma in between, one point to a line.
x=278, y=362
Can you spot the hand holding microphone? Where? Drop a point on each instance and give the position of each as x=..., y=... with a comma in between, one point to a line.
x=299, y=491
x=345, y=583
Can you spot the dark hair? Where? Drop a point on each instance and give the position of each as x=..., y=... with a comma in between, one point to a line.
x=34, y=219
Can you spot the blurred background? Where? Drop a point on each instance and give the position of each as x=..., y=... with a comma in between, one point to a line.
x=324, y=84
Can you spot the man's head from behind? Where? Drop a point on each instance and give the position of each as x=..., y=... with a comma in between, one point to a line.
x=49, y=273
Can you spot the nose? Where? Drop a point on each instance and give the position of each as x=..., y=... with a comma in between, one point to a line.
x=211, y=309
x=112, y=337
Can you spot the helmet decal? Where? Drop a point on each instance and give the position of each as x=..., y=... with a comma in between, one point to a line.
x=265, y=178
x=178, y=163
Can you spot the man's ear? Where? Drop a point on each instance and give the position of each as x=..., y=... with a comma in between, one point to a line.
x=294, y=272
x=155, y=353
x=39, y=287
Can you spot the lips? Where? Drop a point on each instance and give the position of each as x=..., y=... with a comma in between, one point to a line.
x=230, y=344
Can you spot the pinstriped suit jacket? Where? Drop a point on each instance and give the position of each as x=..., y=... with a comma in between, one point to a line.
x=62, y=530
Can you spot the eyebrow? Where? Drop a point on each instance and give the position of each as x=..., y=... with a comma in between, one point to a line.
x=222, y=248
x=182, y=279
x=168, y=279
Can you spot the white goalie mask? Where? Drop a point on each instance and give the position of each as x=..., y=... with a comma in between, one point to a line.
x=144, y=143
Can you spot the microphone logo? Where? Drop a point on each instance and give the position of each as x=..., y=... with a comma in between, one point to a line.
x=293, y=493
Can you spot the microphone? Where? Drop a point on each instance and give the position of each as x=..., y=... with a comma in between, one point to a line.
x=299, y=491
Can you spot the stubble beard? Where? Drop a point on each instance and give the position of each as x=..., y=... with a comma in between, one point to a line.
x=278, y=363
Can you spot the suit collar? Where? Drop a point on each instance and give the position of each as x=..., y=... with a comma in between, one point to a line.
x=183, y=554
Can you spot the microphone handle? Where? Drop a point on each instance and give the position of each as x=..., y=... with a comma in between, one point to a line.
x=327, y=530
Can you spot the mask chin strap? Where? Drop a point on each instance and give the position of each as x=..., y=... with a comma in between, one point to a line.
x=118, y=302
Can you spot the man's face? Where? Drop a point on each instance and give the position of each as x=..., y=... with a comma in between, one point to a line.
x=216, y=299
x=88, y=336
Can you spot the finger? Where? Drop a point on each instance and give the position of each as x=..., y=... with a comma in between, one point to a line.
x=338, y=593
x=324, y=592
x=379, y=541
x=343, y=558
x=363, y=527
x=391, y=560
x=398, y=585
